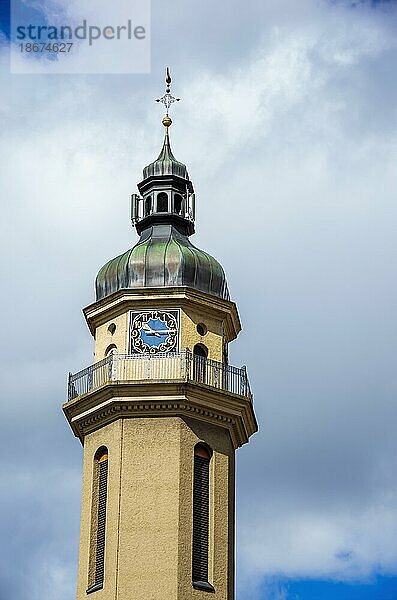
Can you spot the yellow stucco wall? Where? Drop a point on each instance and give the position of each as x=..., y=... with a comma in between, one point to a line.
x=189, y=336
x=148, y=550
x=213, y=339
x=149, y=511
x=104, y=338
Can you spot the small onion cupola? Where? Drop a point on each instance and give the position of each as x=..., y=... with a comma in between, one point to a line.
x=163, y=215
x=166, y=190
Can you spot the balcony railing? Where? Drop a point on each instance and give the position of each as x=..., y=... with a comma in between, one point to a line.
x=176, y=367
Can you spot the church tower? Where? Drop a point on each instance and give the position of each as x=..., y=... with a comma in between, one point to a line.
x=161, y=411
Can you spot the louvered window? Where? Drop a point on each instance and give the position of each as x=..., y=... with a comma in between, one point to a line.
x=200, y=353
x=201, y=489
x=98, y=522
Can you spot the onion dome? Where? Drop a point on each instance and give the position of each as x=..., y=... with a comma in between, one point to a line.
x=163, y=257
x=163, y=215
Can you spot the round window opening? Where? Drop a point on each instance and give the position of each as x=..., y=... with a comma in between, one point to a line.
x=201, y=329
x=112, y=328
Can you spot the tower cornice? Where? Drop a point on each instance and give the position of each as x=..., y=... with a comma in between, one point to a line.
x=183, y=225
x=117, y=400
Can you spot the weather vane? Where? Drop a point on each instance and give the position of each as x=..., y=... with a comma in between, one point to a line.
x=168, y=98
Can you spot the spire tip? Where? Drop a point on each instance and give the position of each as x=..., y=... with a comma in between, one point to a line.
x=168, y=98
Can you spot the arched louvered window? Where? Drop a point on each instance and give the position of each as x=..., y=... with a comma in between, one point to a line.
x=148, y=206
x=201, y=504
x=112, y=349
x=98, y=521
x=162, y=202
x=178, y=204
x=200, y=353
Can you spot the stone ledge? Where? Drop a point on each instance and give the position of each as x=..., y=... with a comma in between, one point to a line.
x=128, y=400
x=204, y=586
x=94, y=588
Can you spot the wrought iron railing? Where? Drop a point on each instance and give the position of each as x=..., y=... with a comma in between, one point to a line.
x=167, y=367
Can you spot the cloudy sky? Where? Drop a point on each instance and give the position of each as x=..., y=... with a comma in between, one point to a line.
x=288, y=127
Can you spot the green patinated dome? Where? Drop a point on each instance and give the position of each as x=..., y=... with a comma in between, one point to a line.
x=163, y=257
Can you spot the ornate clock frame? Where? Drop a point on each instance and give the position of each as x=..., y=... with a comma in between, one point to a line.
x=172, y=319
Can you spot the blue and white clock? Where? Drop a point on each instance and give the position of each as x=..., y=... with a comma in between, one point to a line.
x=154, y=331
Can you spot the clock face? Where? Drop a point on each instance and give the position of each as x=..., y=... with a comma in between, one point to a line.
x=154, y=331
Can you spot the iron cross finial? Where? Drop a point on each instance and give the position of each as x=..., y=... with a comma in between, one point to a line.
x=168, y=98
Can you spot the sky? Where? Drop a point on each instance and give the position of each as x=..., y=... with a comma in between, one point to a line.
x=288, y=127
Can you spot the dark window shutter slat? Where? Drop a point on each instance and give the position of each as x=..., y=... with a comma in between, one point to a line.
x=102, y=498
x=200, y=518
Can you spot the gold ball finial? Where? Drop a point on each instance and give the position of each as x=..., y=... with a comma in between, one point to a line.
x=167, y=121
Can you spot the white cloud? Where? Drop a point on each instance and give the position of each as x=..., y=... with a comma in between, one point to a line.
x=335, y=545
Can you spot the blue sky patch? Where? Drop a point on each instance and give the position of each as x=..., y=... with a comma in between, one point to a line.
x=381, y=588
